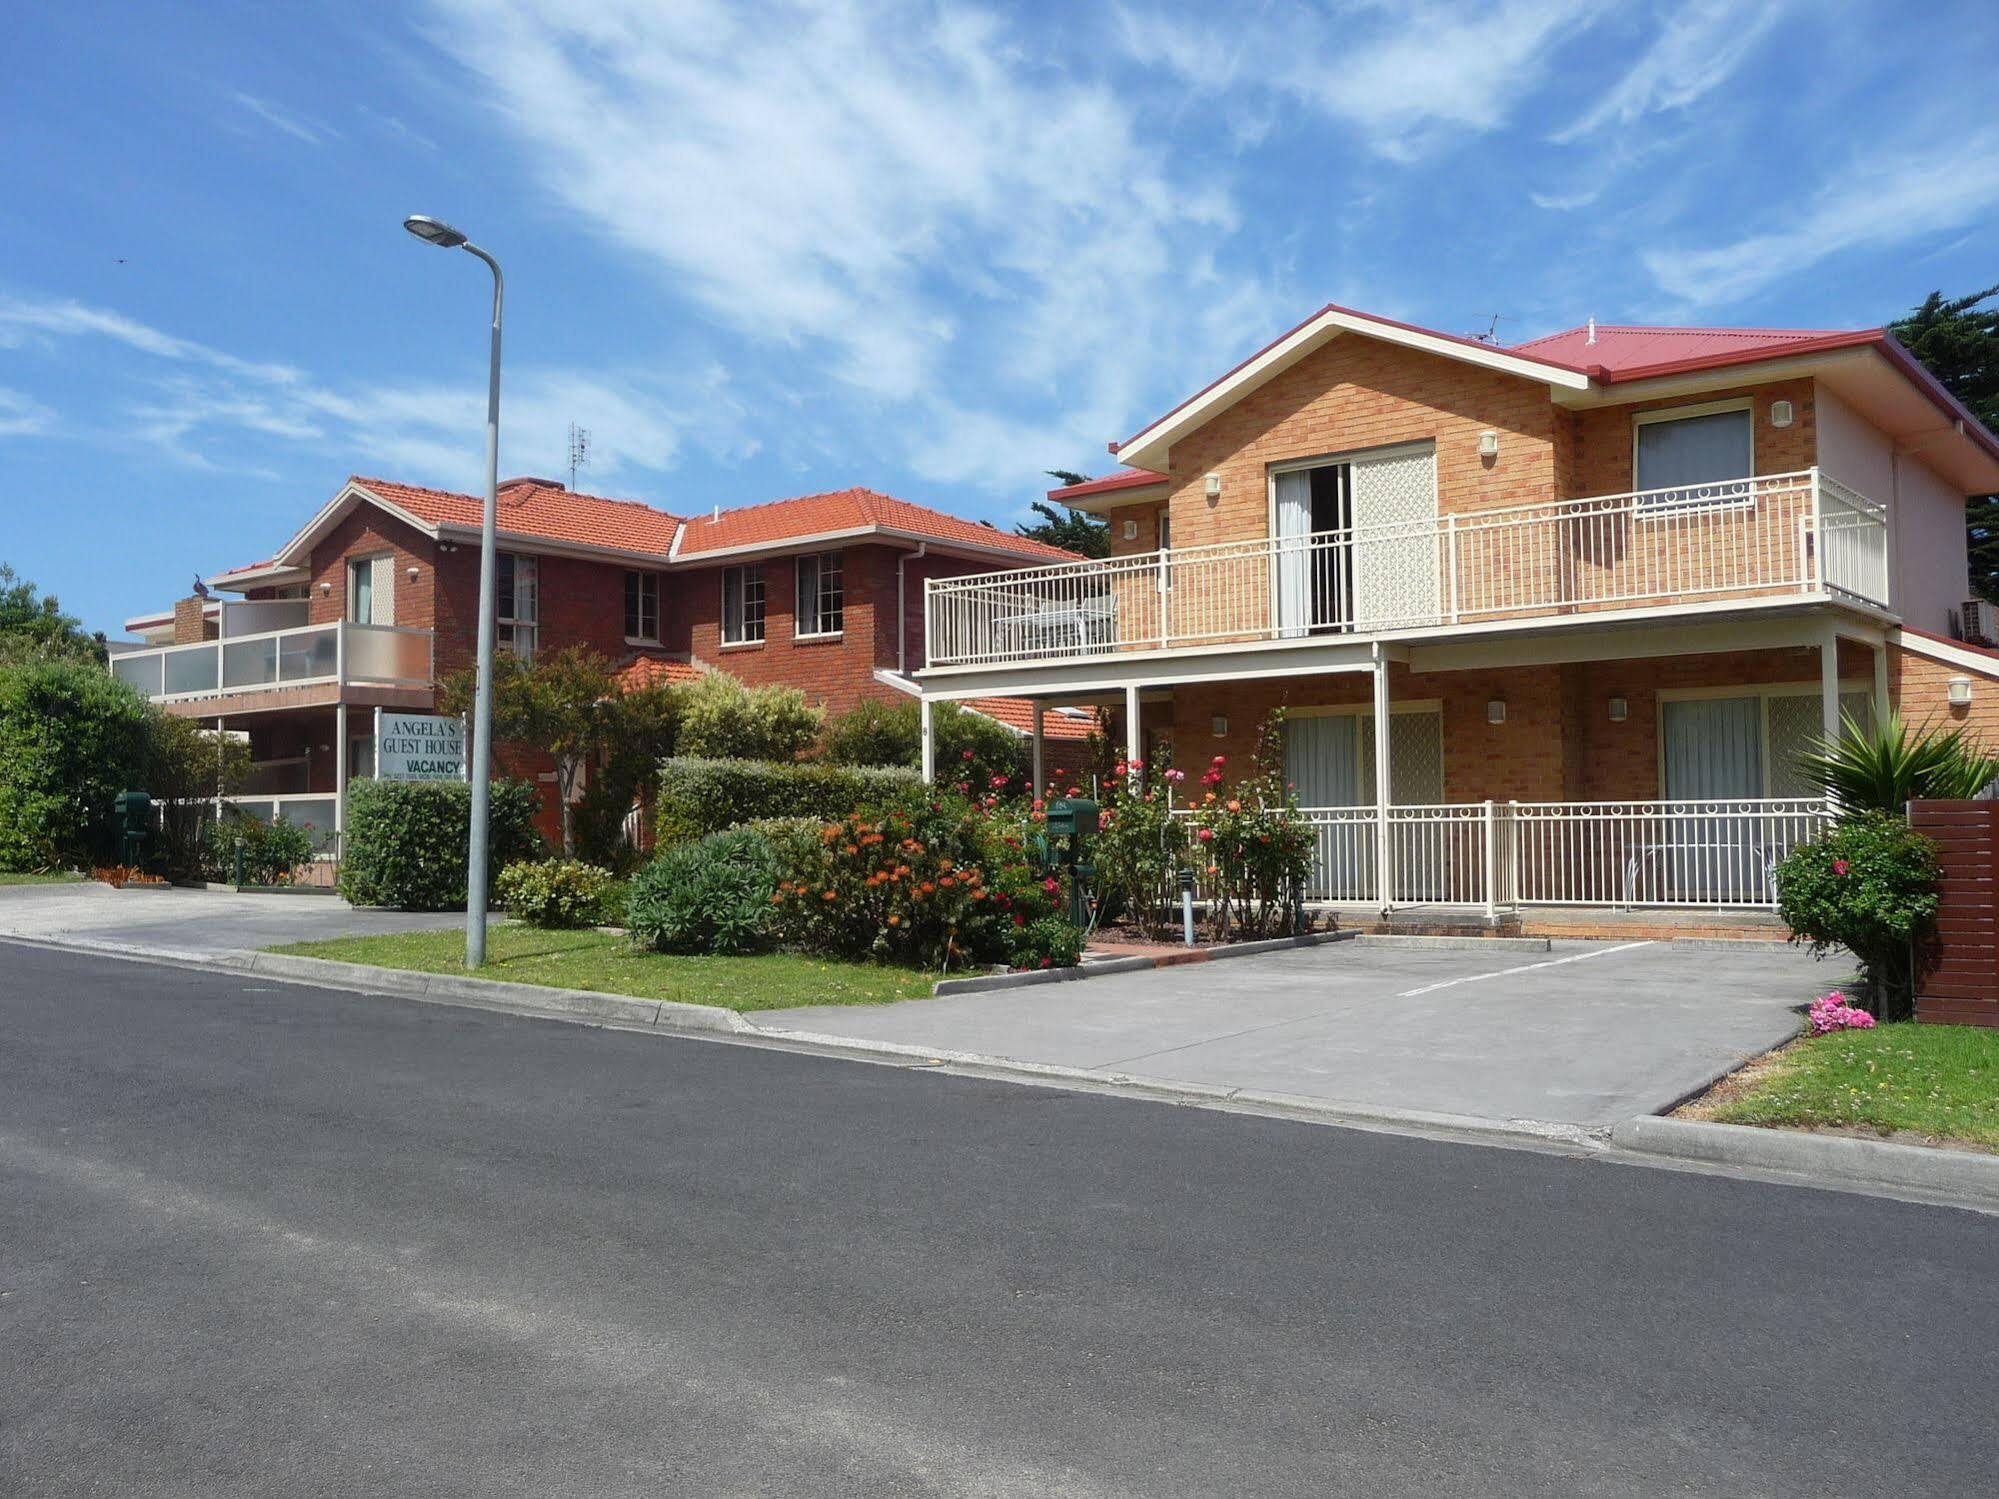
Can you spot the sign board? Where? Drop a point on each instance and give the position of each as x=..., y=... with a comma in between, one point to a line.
x=418, y=747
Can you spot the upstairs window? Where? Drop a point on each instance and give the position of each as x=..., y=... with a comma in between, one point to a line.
x=642, y=607
x=742, y=605
x=371, y=590
x=1692, y=457
x=516, y=604
x=821, y=595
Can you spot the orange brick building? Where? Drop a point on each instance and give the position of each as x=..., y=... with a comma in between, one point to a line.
x=1583, y=600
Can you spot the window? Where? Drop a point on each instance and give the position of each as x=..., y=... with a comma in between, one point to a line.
x=1693, y=456
x=516, y=604
x=742, y=605
x=371, y=590
x=821, y=595
x=642, y=606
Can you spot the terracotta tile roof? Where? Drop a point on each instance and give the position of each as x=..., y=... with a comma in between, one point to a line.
x=779, y=521
x=539, y=507
x=655, y=671
x=1018, y=713
x=1620, y=352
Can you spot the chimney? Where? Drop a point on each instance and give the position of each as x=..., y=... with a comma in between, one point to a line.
x=191, y=622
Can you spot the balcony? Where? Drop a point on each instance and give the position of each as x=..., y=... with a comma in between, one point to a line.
x=333, y=656
x=1782, y=535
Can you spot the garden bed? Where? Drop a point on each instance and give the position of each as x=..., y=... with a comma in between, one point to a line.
x=1911, y=1084
x=603, y=963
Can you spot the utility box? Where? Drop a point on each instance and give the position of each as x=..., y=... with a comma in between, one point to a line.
x=1072, y=817
x=133, y=813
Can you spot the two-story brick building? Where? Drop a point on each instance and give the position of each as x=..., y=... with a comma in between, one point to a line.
x=374, y=601
x=1584, y=599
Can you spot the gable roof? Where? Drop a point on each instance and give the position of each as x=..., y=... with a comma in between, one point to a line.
x=848, y=513
x=537, y=507
x=1120, y=485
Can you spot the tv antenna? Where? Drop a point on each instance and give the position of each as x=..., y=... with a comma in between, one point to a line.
x=579, y=452
x=1491, y=334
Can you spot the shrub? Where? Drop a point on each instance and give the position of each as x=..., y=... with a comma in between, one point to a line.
x=1883, y=767
x=975, y=754
x=405, y=844
x=71, y=738
x=1140, y=847
x=1870, y=886
x=611, y=904
x=697, y=797
x=1251, y=844
x=946, y=884
x=271, y=851
x=720, y=718
x=713, y=896
x=1045, y=942
x=553, y=892
x=1831, y=1012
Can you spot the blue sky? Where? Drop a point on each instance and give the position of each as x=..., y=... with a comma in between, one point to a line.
x=762, y=250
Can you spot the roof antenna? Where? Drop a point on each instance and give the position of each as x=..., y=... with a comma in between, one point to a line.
x=579, y=452
x=1591, y=340
x=1491, y=334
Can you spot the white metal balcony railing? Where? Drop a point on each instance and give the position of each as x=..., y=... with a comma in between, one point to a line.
x=1494, y=854
x=1786, y=533
x=310, y=655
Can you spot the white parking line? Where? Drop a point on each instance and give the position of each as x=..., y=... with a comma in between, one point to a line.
x=1500, y=973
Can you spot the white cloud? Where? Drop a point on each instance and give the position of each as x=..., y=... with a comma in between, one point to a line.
x=1926, y=185
x=312, y=133
x=888, y=201
x=1406, y=78
x=22, y=321
x=1566, y=202
x=1696, y=51
x=21, y=415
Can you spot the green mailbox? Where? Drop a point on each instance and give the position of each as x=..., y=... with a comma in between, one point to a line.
x=1072, y=817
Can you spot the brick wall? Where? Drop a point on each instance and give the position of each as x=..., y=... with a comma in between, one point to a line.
x=191, y=622
x=1920, y=687
x=1601, y=463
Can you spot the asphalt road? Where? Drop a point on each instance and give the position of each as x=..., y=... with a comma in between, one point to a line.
x=259, y=1239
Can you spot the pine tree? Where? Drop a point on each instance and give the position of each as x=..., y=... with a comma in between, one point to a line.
x=1068, y=527
x=1958, y=341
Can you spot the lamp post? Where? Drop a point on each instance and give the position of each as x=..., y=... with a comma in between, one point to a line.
x=441, y=234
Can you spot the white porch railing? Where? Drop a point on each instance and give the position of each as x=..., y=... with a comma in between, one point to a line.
x=1780, y=534
x=310, y=655
x=1494, y=854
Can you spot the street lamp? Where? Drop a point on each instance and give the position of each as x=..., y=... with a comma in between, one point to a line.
x=441, y=234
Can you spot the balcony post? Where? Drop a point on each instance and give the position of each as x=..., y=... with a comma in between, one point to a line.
x=1383, y=844
x=1881, y=703
x=1034, y=789
x=1813, y=572
x=339, y=772
x=1491, y=861
x=339, y=653
x=1133, y=739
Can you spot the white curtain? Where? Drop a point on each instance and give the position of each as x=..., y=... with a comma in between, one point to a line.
x=1293, y=568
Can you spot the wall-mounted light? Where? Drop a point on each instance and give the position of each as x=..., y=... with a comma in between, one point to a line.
x=1781, y=414
x=1959, y=690
x=1619, y=710
x=1488, y=444
x=1131, y=530
x=412, y=572
x=1212, y=485
x=325, y=587
x=1218, y=726
x=1495, y=710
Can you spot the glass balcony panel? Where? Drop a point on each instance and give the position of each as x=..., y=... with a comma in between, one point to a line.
x=250, y=663
x=376, y=653
x=141, y=670
x=191, y=668
x=304, y=657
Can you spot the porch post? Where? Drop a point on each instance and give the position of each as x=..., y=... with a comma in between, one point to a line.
x=1134, y=741
x=926, y=717
x=339, y=773
x=1035, y=788
x=1491, y=861
x=1829, y=682
x=1881, y=702
x=1383, y=844
x=221, y=751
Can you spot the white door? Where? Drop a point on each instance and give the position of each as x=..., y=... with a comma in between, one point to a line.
x=1395, y=542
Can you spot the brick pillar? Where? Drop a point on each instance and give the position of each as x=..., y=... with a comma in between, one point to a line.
x=191, y=623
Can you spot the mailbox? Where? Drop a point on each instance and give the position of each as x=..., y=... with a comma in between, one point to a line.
x=134, y=810
x=1072, y=817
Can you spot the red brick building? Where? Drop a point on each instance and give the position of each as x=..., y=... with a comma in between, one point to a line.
x=374, y=601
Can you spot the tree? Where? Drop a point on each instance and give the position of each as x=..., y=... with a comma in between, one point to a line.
x=33, y=624
x=1068, y=528
x=640, y=732
x=71, y=737
x=559, y=704
x=1958, y=342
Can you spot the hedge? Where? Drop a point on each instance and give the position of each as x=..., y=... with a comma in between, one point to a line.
x=405, y=842
x=698, y=797
x=72, y=736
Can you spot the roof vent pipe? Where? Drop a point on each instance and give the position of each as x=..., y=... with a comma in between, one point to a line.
x=716, y=517
x=1591, y=340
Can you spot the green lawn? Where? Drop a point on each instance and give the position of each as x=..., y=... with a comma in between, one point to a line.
x=1941, y=1081
x=610, y=965
x=62, y=878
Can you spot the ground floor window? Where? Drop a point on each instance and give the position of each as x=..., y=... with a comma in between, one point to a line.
x=1329, y=757
x=1742, y=746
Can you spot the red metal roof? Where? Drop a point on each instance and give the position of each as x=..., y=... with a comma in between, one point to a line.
x=778, y=522
x=539, y=507
x=1627, y=353
x=1124, y=478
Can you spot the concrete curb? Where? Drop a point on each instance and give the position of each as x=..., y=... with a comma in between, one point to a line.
x=1455, y=944
x=488, y=994
x=1133, y=964
x=1836, y=1160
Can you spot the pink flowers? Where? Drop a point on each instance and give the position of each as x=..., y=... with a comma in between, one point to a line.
x=998, y=783
x=1831, y=1013
x=966, y=755
x=1212, y=776
x=1206, y=835
x=1840, y=866
x=1051, y=885
x=1176, y=776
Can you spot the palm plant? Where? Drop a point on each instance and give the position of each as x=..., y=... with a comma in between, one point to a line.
x=1883, y=767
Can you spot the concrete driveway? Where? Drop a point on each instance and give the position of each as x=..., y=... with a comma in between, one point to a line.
x=1581, y=1034
x=192, y=921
